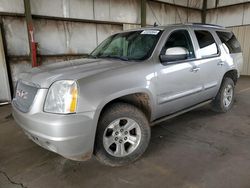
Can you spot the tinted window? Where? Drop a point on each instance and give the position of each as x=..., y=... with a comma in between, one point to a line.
x=207, y=43
x=229, y=41
x=180, y=38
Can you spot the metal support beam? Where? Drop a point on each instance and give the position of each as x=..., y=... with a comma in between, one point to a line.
x=204, y=12
x=30, y=29
x=143, y=13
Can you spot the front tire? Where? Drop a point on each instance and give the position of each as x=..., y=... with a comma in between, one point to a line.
x=224, y=100
x=123, y=135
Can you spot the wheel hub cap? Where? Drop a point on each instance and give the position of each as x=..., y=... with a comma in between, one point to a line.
x=121, y=137
x=228, y=95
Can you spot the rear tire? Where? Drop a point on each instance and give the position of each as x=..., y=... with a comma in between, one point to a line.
x=123, y=135
x=224, y=100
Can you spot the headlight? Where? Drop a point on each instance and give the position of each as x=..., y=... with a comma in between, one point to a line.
x=62, y=97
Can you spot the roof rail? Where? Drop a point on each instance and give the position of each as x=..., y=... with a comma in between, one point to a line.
x=208, y=25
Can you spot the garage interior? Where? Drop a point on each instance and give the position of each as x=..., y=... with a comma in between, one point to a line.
x=198, y=149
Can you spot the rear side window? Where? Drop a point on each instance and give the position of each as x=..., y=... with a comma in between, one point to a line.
x=229, y=41
x=207, y=44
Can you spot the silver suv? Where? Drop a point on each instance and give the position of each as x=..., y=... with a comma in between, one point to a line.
x=105, y=104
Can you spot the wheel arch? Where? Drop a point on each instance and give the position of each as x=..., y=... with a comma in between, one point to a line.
x=141, y=99
x=233, y=74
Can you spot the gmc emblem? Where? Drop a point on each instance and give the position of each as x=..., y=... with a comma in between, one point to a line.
x=22, y=94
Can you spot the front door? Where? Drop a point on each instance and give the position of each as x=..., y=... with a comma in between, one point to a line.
x=179, y=84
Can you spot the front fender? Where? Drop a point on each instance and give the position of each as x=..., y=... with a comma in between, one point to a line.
x=123, y=93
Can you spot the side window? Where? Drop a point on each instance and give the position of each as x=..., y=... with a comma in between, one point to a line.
x=180, y=38
x=229, y=41
x=207, y=44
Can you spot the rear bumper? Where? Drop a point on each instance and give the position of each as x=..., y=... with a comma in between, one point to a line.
x=71, y=136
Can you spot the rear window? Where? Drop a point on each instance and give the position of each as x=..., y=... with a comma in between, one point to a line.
x=229, y=41
x=207, y=44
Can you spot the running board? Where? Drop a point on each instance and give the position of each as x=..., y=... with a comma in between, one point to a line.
x=179, y=113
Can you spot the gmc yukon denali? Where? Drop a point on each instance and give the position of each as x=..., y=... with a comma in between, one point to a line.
x=106, y=103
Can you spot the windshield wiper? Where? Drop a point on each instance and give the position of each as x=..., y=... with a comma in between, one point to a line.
x=114, y=56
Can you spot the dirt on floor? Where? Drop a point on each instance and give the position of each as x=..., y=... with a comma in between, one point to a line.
x=200, y=149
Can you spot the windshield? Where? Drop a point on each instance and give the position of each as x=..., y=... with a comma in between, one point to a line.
x=134, y=45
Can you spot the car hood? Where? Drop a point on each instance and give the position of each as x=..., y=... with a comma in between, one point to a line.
x=45, y=75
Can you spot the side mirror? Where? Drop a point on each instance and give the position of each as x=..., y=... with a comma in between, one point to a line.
x=174, y=54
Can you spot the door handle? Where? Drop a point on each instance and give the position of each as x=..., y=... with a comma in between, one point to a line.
x=221, y=63
x=195, y=69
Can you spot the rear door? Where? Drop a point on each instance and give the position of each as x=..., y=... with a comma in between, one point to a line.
x=211, y=65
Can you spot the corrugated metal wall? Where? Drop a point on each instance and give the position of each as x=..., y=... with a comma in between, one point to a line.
x=230, y=16
x=75, y=36
x=164, y=14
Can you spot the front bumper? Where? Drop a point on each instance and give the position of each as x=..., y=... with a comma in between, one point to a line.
x=71, y=136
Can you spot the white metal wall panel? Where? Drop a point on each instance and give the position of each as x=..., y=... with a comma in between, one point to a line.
x=196, y=3
x=18, y=67
x=230, y=2
x=4, y=81
x=51, y=36
x=130, y=26
x=102, y=9
x=15, y=6
x=181, y=15
x=229, y=16
x=81, y=9
x=16, y=36
x=164, y=14
x=63, y=8
x=109, y=10
x=246, y=50
x=56, y=8
x=212, y=16
x=194, y=16
x=189, y=3
x=211, y=3
x=103, y=31
x=246, y=18
x=128, y=12
x=154, y=13
x=177, y=2
x=58, y=37
x=80, y=38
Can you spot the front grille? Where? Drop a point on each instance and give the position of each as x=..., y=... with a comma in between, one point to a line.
x=24, y=97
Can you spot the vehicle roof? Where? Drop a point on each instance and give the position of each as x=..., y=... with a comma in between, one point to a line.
x=185, y=25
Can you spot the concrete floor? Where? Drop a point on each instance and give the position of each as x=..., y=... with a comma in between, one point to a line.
x=200, y=149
